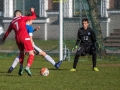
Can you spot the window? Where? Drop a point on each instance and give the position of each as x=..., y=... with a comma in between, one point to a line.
x=59, y=0
x=1, y=7
x=25, y=5
x=53, y=5
x=117, y=4
x=77, y=8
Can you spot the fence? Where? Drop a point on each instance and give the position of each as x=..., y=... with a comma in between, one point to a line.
x=47, y=38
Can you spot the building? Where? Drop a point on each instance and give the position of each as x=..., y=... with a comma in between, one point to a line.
x=110, y=14
x=48, y=16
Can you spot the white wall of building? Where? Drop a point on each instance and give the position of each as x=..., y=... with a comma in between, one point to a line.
x=43, y=6
x=68, y=8
x=8, y=8
x=104, y=6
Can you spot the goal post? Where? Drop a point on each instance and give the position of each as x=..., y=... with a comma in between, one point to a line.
x=61, y=30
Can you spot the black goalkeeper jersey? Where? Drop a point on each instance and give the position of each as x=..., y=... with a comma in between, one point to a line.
x=85, y=37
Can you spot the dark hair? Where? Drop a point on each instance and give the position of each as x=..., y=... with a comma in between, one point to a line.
x=85, y=19
x=16, y=11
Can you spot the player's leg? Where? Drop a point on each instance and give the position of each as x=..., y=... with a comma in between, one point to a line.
x=21, y=57
x=41, y=52
x=75, y=62
x=30, y=58
x=94, y=56
x=94, y=62
x=77, y=55
x=50, y=59
x=21, y=60
x=29, y=48
x=29, y=62
x=14, y=64
x=16, y=61
x=47, y=57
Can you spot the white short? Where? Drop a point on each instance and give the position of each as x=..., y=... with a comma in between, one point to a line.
x=37, y=49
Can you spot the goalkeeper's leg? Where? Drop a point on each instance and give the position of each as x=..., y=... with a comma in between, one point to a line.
x=94, y=56
x=75, y=61
x=78, y=54
x=94, y=60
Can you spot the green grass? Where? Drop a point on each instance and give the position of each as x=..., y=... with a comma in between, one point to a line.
x=108, y=78
x=45, y=45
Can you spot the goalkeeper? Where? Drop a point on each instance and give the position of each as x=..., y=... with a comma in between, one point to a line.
x=87, y=39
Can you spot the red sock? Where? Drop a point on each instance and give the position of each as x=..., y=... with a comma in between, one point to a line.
x=30, y=60
x=21, y=59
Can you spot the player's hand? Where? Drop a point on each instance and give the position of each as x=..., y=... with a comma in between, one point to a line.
x=74, y=48
x=96, y=45
x=37, y=28
x=32, y=9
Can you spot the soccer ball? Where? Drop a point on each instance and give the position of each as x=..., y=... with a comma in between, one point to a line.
x=44, y=72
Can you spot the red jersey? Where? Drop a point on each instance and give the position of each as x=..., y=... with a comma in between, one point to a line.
x=18, y=24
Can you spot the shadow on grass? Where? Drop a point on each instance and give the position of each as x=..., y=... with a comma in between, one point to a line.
x=60, y=69
x=11, y=75
x=51, y=68
x=8, y=74
x=3, y=72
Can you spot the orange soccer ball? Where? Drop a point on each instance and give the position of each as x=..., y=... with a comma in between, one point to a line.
x=44, y=71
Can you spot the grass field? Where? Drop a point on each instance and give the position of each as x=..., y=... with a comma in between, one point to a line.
x=108, y=78
x=45, y=45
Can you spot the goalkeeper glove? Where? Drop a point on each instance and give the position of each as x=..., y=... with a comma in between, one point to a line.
x=97, y=45
x=74, y=48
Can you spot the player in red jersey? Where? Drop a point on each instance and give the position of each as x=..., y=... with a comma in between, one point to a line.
x=18, y=24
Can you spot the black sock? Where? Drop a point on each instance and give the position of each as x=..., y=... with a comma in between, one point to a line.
x=94, y=60
x=75, y=61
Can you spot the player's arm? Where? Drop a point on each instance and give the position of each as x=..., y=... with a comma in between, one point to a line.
x=7, y=33
x=37, y=28
x=78, y=38
x=77, y=41
x=93, y=36
x=31, y=39
x=32, y=17
x=30, y=32
x=94, y=40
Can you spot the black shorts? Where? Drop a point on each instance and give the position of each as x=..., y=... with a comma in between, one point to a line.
x=84, y=50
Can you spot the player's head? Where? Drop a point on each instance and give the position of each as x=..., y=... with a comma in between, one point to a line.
x=29, y=21
x=85, y=23
x=17, y=13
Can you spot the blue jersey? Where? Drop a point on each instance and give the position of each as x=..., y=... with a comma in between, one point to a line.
x=30, y=30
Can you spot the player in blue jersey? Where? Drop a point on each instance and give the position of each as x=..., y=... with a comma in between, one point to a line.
x=37, y=50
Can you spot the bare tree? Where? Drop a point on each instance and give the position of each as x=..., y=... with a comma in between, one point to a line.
x=95, y=20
